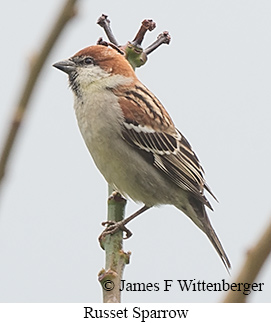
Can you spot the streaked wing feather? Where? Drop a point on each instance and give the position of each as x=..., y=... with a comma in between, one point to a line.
x=173, y=156
x=148, y=127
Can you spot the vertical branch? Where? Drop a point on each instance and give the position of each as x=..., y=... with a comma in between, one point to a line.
x=68, y=11
x=115, y=257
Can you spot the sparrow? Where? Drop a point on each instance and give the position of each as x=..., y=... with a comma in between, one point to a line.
x=133, y=140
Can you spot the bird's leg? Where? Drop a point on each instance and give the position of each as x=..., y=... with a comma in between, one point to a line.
x=113, y=227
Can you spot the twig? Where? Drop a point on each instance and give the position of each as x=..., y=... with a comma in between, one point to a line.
x=133, y=51
x=146, y=24
x=102, y=42
x=68, y=11
x=255, y=259
x=163, y=38
x=104, y=22
x=116, y=258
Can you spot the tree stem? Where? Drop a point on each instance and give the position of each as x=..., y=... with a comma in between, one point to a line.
x=115, y=257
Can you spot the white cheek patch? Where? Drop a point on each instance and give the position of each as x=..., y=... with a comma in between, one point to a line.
x=95, y=75
x=90, y=74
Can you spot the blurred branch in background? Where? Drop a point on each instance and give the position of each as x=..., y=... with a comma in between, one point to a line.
x=256, y=256
x=67, y=12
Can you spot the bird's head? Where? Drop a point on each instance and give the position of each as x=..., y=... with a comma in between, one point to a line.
x=96, y=64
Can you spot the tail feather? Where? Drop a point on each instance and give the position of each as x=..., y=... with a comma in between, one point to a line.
x=197, y=213
x=210, y=232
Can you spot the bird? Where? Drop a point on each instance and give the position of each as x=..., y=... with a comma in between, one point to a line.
x=133, y=140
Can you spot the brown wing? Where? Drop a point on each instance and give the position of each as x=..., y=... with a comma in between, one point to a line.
x=171, y=152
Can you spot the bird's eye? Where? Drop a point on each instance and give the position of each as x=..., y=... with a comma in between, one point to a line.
x=88, y=61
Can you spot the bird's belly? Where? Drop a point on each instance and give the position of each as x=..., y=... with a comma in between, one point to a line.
x=125, y=169
x=121, y=164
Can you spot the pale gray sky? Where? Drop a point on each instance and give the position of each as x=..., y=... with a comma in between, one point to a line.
x=214, y=79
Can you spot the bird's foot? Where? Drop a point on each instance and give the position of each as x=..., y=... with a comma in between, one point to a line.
x=113, y=227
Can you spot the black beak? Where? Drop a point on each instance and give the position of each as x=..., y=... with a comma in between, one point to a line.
x=66, y=66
